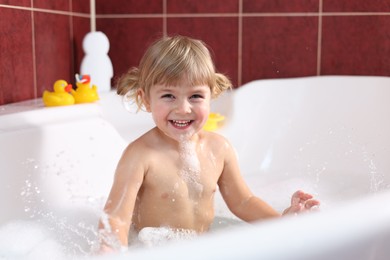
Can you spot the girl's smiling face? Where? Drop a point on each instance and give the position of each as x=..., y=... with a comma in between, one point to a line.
x=179, y=111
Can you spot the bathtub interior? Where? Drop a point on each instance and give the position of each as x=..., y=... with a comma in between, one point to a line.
x=312, y=132
x=326, y=135
x=56, y=171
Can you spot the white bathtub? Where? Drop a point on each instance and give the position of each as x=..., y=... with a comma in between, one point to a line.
x=327, y=135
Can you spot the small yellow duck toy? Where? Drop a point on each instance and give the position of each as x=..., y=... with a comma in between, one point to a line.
x=84, y=92
x=60, y=96
x=213, y=122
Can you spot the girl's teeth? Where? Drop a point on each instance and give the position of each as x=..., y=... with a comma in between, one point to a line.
x=181, y=123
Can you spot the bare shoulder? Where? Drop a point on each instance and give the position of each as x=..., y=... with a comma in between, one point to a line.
x=142, y=143
x=138, y=152
x=217, y=141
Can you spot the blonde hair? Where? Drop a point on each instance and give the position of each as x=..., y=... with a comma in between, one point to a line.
x=166, y=62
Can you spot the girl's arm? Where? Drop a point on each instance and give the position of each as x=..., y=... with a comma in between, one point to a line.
x=114, y=226
x=237, y=195
x=246, y=205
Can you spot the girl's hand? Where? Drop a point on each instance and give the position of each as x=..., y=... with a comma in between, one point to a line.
x=300, y=202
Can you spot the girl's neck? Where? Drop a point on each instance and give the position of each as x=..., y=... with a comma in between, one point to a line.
x=178, y=143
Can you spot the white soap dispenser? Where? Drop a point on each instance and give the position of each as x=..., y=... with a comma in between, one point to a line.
x=96, y=61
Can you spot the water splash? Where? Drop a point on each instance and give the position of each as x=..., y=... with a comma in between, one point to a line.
x=377, y=182
x=106, y=236
x=76, y=235
x=349, y=149
x=376, y=178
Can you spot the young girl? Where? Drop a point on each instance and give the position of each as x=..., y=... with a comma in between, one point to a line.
x=169, y=175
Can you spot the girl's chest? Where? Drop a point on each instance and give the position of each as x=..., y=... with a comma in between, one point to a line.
x=195, y=177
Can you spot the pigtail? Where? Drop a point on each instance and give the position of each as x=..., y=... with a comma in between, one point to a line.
x=222, y=83
x=128, y=82
x=128, y=86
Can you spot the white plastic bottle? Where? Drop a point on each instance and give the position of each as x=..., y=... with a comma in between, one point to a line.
x=96, y=61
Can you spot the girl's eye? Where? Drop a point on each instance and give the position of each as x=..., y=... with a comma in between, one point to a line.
x=167, y=96
x=196, y=96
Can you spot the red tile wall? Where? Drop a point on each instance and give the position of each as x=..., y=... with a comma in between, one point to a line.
x=41, y=40
x=39, y=43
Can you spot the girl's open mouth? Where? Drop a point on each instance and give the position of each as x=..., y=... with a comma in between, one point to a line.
x=181, y=123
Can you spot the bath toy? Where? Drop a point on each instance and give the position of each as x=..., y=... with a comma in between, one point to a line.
x=84, y=92
x=96, y=61
x=60, y=96
x=213, y=122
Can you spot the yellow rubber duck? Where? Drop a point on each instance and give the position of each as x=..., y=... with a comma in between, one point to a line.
x=84, y=92
x=60, y=96
x=213, y=122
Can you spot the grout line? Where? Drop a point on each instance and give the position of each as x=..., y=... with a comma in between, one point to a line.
x=205, y=15
x=319, y=39
x=317, y=14
x=193, y=15
x=130, y=16
x=279, y=14
x=355, y=13
x=46, y=11
x=92, y=7
x=239, y=65
x=17, y=7
x=71, y=34
x=202, y=15
x=34, y=59
x=165, y=29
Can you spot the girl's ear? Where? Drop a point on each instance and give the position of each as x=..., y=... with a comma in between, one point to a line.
x=145, y=99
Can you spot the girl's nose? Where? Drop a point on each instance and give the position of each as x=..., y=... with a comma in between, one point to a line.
x=183, y=107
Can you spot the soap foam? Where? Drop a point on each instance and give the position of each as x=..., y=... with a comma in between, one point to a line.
x=28, y=240
x=191, y=170
x=151, y=236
